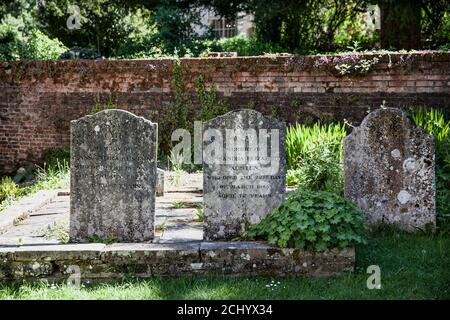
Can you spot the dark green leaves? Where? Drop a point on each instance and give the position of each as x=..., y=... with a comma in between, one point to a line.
x=312, y=220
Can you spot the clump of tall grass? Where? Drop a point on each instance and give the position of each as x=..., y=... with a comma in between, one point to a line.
x=435, y=124
x=54, y=175
x=314, y=156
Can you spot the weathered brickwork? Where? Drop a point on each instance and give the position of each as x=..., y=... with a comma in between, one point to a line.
x=38, y=99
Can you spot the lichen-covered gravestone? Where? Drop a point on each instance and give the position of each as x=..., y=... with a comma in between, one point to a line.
x=244, y=171
x=113, y=177
x=389, y=170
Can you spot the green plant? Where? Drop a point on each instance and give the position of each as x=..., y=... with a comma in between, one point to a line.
x=8, y=189
x=39, y=46
x=178, y=205
x=320, y=170
x=177, y=113
x=243, y=46
x=312, y=220
x=199, y=214
x=99, y=106
x=210, y=105
x=52, y=176
x=161, y=227
x=434, y=122
x=97, y=239
x=314, y=156
x=361, y=67
x=176, y=163
x=59, y=231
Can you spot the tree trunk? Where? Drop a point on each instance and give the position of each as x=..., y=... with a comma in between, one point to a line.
x=400, y=24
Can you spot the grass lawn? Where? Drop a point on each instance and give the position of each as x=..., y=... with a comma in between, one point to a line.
x=412, y=267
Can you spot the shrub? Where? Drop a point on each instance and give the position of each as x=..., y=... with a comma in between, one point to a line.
x=11, y=42
x=434, y=122
x=8, y=189
x=33, y=46
x=244, y=46
x=40, y=47
x=320, y=170
x=312, y=220
x=314, y=156
x=80, y=53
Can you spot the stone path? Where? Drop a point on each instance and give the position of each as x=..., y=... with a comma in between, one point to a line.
x=176, y=220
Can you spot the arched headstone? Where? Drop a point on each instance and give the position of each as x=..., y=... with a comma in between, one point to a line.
x=113, y=177
x=244, y=171
x=389, y=170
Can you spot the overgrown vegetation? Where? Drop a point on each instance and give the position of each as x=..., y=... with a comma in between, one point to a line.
x=434, y=122
x=314, y=156
x=53, y=174
x=183, y=111
x=312, y=220
x=145, y=29
x=59, y=231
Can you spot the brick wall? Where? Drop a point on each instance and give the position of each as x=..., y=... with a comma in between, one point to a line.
x=38, y=99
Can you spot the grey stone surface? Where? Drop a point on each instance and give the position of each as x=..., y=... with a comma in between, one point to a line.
x=244, y=180
x=178, y=251
x=159, y=182
x=113, y=177
x=100, y=261
x=389, y=170
x=24, y=207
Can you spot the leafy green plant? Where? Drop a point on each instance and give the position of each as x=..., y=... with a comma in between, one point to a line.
x=320, y=170
x=8, y=189
x=312, y=220
x=199, y=214
x=176, y=115
x=210, y=105
x=314, y=156
x=434, y=122
x=243, y=46
x=39, y=46
x=178, y=205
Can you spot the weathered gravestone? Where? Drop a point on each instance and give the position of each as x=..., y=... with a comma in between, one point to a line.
x=113, y=177
x=389, y=170
x=159, y=182
x=244, y=171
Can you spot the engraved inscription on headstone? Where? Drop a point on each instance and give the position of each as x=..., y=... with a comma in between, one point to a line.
x=389, y=170
x=113, y=177
x=244, y=168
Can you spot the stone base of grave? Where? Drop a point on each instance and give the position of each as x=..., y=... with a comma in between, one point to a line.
x=27, y=251
x=100, y=261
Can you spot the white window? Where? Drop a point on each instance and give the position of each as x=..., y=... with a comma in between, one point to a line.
x=223, y=28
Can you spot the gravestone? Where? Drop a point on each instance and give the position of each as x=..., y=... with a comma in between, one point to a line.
x=160, y=182
x=244, y=171
x=113, y=177
x=389, y=170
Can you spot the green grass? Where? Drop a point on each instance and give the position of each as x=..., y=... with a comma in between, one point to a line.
x=56, y=175
x=412, y=267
